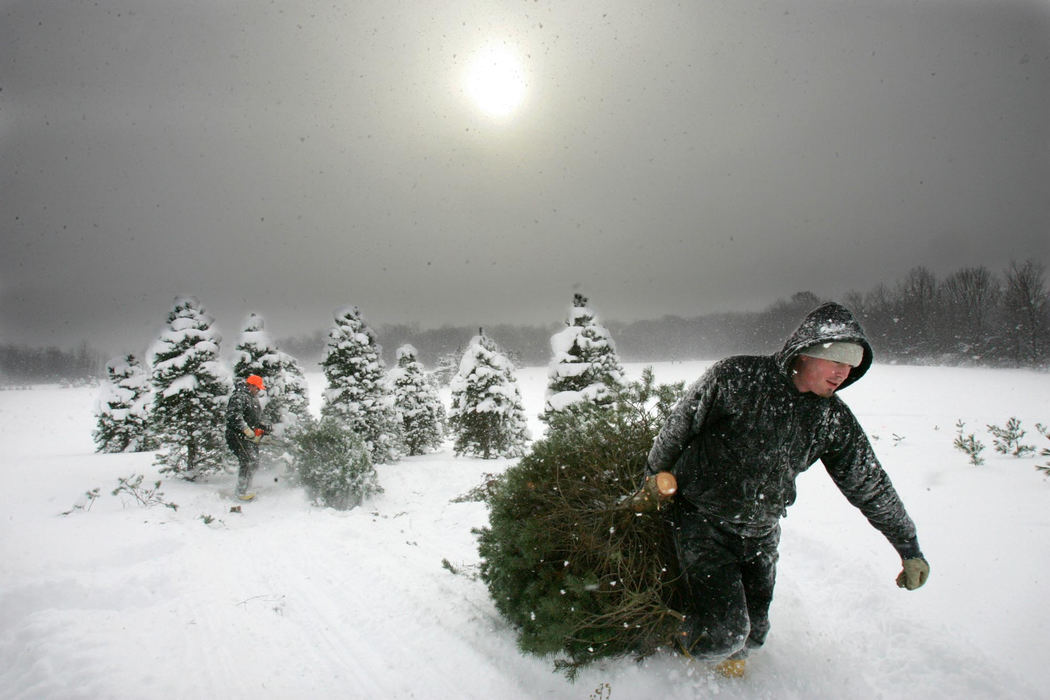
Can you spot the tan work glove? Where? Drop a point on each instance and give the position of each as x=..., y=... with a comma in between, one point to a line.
x=914, y=573
x=250, y=434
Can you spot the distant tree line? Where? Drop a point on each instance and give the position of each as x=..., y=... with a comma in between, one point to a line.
x=971, y=316
x=22, y=364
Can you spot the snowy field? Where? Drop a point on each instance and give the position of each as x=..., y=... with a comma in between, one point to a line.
x=285, y=600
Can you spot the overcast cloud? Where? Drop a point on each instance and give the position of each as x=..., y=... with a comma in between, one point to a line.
x=291, y=158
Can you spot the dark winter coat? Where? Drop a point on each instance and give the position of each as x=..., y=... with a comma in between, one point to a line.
x=242, y=411
x=743, y=432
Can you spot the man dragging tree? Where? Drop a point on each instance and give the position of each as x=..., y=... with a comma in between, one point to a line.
x=736, y=442
x=244, y=428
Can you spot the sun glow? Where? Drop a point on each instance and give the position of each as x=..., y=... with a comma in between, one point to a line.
x=495, y=80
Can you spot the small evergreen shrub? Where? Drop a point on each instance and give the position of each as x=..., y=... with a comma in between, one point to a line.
x=576, y=571
x=333, y=465
x=1045, y=452
x=145, y=496
x=968, y=444
x=85, y=502
x=131, y=486
x=1007, y=440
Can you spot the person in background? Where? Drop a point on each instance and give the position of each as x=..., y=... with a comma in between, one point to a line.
x=735, y=443
x=244, y=429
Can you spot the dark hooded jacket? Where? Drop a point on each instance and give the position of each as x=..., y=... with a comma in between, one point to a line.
x=743, y=432
x=242, y=411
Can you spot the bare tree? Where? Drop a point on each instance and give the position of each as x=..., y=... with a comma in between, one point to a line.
x=782, y=317
x=1026, y=312
x=916, y=304
x=968, y=300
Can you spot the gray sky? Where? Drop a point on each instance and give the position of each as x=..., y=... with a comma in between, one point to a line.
x=292, y=158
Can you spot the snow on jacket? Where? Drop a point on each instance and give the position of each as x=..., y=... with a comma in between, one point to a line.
x=743, y=432
x=242, y=411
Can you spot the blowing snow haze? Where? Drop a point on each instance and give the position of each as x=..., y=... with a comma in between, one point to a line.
x=477, y=162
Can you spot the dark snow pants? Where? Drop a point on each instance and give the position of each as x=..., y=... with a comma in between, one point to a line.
x=247, y=453
x=728, y=586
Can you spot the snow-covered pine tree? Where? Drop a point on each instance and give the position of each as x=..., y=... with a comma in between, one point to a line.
x=584, y=366
x=190, y=389
x=356, y=393
x=487, y=416
x=285, y=402
x=254, y=354
x=122, y=407
x=417, y=402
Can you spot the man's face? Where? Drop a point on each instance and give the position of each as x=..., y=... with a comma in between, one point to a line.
x=822, y=377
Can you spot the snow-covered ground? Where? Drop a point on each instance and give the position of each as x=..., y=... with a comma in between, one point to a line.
x=285, y=600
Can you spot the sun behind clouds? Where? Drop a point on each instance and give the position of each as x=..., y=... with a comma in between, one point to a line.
x=495, y=79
